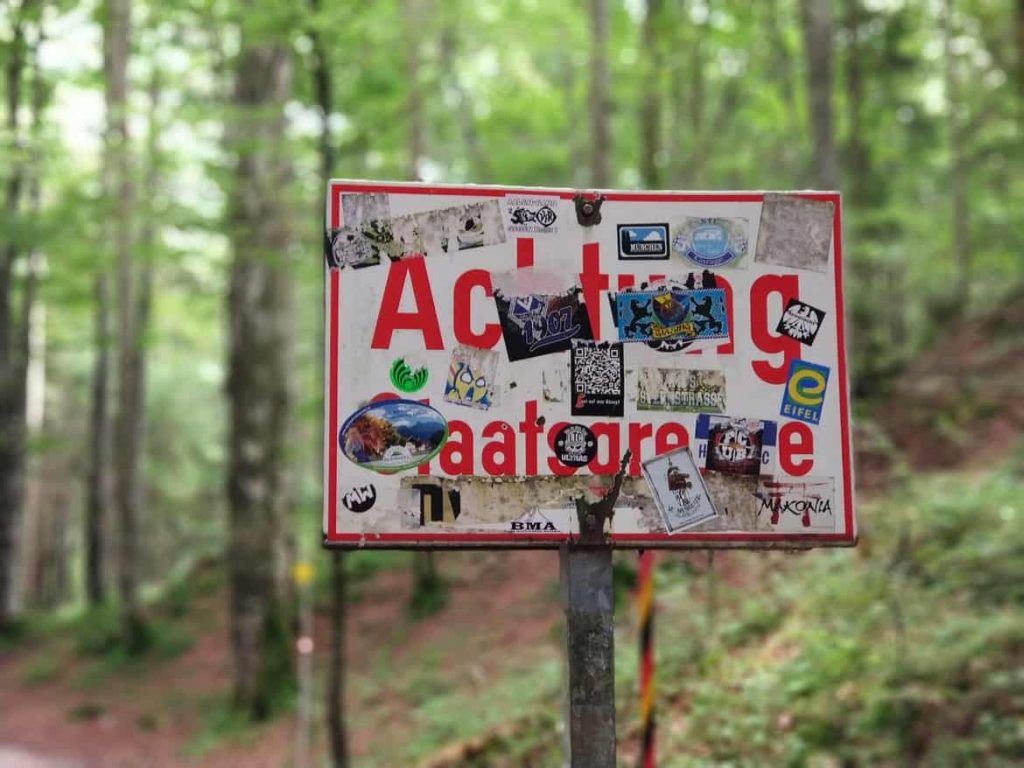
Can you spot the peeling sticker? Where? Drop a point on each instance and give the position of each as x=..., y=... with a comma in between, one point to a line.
x=597, y=376
x=795, y=232
x=405, y=378
x=680, y=389
x=804, y=395
x=797, y=505
x=471, y=377
x=678, y=490
x=393, y=435
x=553, y=383
x=800, y=321
x=712, y=242
x=437, y=506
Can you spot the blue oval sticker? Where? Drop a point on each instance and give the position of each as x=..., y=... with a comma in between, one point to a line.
x=393, y=435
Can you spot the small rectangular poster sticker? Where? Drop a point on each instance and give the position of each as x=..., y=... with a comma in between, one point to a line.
x=672, y=314
x=532, y=214
x=597, y=375
x=795, y=232
x=541, y=324
x=678, y=490
x=804, y=396
x=736, y=446
x=470, y=379
x=797, y=505
x=680, y=389
x=643, y=242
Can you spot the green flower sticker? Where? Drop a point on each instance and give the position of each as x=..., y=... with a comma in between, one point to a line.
x=405, y=378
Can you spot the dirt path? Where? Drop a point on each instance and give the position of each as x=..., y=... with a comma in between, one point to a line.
x=154, y=716
x=19, y=758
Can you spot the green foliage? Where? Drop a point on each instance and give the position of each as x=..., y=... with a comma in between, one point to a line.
x=220, y=721
x=901, y=655
x=429, y=593
x=275, y=680
x=42, y=669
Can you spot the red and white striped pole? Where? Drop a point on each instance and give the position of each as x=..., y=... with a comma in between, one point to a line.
x=645, y=609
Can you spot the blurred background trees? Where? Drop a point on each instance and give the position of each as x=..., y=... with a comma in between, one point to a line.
x=164, y=166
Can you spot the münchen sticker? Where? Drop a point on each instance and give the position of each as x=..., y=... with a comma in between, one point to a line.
x=639, y=242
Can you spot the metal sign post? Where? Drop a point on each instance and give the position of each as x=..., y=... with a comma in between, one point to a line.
x=589, y=602
x=492, y=352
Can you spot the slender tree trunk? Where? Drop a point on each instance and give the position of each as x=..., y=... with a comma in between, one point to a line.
x=958, y=167
x=448, y=53
x=412, y=15
x=323, y=89
x=128, y=419
x=858, y=159
x=816, y=16
x=98, y=484
x=600, y=101
x=650, y=111
x=12, y=347
x=259, y=309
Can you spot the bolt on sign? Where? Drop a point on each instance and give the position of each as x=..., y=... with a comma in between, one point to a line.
x=492, y=353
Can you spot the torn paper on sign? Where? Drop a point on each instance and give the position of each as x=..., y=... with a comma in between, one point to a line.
x=795, y=232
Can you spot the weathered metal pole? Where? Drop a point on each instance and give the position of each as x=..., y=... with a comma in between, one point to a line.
x=590, y=647
x=589, y=601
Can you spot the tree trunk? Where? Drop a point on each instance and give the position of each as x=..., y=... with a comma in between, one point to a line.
x=958, y=167
x=650, y=110
x=13, y=334
x=858, y=159
x=412, y=16
x=816, y=17
x=323, y=89
x=128, y=419
x=98, y=483
x=259, y=310
x=600, y=102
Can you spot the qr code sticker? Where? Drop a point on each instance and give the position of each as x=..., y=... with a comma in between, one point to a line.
x=597, y=375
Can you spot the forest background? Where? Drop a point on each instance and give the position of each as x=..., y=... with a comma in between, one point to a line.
x=164, y=169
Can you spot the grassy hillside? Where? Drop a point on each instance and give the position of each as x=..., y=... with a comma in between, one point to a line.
x=905, y=651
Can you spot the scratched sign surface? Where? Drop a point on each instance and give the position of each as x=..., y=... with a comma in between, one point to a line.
x=489, y=360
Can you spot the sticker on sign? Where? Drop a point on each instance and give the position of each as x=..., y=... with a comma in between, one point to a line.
x=490, y=360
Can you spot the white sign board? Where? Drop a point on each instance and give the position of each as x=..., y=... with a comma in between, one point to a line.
x=489, y=360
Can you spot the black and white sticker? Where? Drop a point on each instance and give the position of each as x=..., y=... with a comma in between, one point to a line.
x=597, y=378
x=360, y=499
x=575, y=445
x=531, y=215
x=800, y=321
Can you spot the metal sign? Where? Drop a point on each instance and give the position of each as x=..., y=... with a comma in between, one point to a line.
x=492, y=353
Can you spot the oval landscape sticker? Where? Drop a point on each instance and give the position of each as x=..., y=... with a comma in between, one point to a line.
x=393, y=435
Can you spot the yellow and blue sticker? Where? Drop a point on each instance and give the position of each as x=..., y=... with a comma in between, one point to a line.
x=804, y=397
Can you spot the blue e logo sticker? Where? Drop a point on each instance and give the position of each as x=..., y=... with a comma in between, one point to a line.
x=805, y=391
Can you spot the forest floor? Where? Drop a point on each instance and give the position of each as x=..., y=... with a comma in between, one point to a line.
x=434, y=692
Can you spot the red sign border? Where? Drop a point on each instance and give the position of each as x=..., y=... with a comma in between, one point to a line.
x=504, y=540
